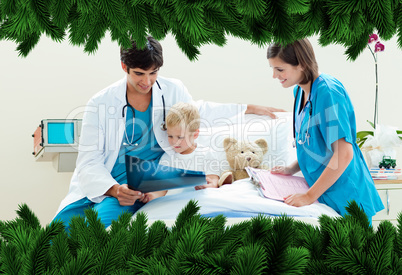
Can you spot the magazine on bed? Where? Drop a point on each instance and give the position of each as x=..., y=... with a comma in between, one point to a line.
x=149, y=176
x=275, y=186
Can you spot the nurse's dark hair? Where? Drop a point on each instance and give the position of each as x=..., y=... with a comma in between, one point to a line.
x=298, y=53
x=148, y=57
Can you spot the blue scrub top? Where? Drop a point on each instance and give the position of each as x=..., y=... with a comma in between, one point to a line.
x=333, y=118
x=144, y=144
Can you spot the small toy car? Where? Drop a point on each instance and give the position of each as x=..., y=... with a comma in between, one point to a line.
x=387, y=162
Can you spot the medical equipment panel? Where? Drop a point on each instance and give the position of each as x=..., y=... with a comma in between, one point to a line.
x=57, y=140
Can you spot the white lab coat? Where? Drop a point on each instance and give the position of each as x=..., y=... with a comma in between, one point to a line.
x=103, y=130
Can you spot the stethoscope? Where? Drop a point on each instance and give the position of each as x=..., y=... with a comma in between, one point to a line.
x=307, y=135
x=128, y=105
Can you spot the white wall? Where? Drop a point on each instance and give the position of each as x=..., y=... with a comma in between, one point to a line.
x=58, y=79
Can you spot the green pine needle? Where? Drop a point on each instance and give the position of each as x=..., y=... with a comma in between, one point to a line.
x=309, y=237
x=139, y=265
x=196, y=23
x=11, y=260
x=311, y=21
x=357, y=213
x=349, y=261
x=338, y=7
x=381, y=14
x=113, y=11
x=41, y=13
x=297, y=260
x=282, y=24
x=25, y=47
x=60, y=10
x=110, y=256
x=252, y=8
x=230, y=241
x=96, y=231
x=398, y=247
x=259, y=230
x=250, y=259
x=381, y=246
x=28, y=216
x=122, y=223
x=200, y=245
x=10, y=7
x=79, y=236
x=189, y=211
x=36, y=260
x=398, y=19
x=60, y=251
x=157, y=234
x=136, y=244
x=281, y=239
x=192, y=239
x=203, y=264
x=83, y=264
x=298, y=6
x=137, y=23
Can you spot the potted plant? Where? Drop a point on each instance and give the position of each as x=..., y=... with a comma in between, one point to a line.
x=382, y=139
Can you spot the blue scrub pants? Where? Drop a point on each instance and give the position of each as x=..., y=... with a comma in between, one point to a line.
x=108, y=210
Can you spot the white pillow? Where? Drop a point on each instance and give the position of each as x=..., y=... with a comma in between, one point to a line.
x=277, y=132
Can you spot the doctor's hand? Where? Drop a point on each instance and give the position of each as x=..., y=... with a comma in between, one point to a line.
x=299, y=200
x=282, y=170
x=262, y=110
x=125, y=195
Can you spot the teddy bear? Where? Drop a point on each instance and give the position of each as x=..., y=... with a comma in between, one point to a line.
x=241, y=154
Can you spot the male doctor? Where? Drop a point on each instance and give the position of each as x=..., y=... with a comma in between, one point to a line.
x=124, y=120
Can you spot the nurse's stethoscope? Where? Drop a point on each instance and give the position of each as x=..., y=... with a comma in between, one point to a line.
x=307, y=134
x=128, y=105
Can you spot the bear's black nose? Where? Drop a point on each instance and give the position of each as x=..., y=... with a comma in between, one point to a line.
x=248, y=159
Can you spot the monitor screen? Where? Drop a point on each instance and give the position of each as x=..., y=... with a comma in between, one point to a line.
x=60, y=132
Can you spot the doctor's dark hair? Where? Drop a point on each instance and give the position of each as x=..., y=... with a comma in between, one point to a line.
x=146, y=58
x=298, y=53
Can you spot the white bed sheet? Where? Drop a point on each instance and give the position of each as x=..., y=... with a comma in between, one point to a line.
x=238, y=201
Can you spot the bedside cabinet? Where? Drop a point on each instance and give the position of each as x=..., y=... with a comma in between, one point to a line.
x=390, y=192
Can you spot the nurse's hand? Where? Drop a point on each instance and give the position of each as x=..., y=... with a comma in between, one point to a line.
x=125, y=195
x=299, y=200
x=262, y=110
x=282, y=170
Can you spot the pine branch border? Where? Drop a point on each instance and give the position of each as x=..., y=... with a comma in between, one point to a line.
x=196, y=23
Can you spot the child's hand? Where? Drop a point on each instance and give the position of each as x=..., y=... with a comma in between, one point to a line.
x=212, y=182
x=152, y=195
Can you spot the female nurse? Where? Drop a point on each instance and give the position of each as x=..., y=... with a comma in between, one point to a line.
x=325, y=134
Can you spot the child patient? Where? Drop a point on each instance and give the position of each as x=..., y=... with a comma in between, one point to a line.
x=183, y=123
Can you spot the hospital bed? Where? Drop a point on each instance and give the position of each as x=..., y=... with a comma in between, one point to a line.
x=240, y=200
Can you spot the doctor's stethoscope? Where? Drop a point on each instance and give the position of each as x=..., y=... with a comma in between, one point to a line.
x=128, y=105
x=307, y=134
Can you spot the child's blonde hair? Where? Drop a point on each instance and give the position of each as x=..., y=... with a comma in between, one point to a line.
x=185, y=115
